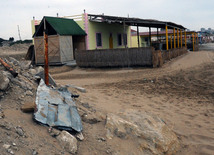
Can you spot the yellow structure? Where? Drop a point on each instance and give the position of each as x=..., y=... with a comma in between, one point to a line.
x=193, y=42
x=174, y=38
x=185, y=38
x=178, y=37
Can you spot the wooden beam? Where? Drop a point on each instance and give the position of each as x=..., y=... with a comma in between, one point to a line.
x=174, y=38
x=185, y=36
x=181, y=39
x=167, y=43
x=150, y=37
x=193, y=42
x=138, y=41
x=178, y=38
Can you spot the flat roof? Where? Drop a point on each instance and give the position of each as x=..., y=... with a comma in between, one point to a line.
x=134, y=21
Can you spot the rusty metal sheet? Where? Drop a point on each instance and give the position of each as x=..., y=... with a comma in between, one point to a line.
x=56, y=108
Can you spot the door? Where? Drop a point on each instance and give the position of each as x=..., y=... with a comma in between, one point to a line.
x=110, y=41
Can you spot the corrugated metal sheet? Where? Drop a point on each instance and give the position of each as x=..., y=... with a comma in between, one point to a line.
x=56, y=108
x=65, y=26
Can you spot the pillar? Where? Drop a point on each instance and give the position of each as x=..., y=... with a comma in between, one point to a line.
x=174, y=38
x=167, y=43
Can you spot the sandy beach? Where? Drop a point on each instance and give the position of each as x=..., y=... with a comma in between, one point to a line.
x=181, y=93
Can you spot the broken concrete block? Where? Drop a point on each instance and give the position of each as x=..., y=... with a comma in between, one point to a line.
x=68, y=141
x=151, y=134
x=4, y=82
x=28, y=107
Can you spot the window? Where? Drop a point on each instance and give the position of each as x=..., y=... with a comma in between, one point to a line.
x=99, y=39
x=119, y=39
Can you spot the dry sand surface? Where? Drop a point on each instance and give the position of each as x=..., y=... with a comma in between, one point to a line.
x=181, y=93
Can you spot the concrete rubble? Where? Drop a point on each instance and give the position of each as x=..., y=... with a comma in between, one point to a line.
x=151, y=133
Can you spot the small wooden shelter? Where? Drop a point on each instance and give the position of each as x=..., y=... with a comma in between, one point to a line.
x=64, y=37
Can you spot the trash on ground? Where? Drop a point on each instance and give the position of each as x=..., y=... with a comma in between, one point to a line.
x=56, y=108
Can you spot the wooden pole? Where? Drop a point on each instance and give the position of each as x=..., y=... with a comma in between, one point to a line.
x=193, y=46
x=167, y=43
x=181, y=39
x=46, y=54
x=178, y=38
x=150, y=37
x=174, y=38
x=171, y=41
x=157, y=35
x=185, y=35
x=138, y=41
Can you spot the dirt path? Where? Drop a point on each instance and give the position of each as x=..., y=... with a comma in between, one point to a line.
x=181, y=93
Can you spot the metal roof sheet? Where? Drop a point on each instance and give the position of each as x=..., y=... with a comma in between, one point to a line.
x=62, y=26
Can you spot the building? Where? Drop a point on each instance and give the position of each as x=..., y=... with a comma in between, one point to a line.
x=64, y=36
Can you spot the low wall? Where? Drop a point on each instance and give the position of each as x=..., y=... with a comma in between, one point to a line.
x=115, y=57
x=160, y=57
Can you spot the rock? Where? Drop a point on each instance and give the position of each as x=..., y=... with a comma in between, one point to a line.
x=90, y=118
x=35, y=152
x=28, y=107
x=7, y=74
x=80, y=136
x=32, y=71
x=1, y=114
x=150, y=133
x=4, y=82
x=14, y=61
x=6, y=146
x=39, y=69
x=10, y=151
x=25, y=65
x=83, y=90
x=68, y=141
x=20, y=131
x=54, y=132
x=29, y=93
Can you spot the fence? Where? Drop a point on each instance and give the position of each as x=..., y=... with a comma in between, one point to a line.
x=124, y=57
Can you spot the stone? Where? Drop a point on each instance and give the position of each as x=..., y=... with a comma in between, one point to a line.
x=68, y=142
x=19, y=131
x=28, y=107
x=32, y=71
x=83, y=90
x=25, y=64
x=1, y=114
x=4, y=82
x=29, y=93
x=6, y=146
x=151, y=134
x=54, y=132
x=80, y=136
x=14, y=61
x=39, y=69
x=7, y=74
x=35, y=152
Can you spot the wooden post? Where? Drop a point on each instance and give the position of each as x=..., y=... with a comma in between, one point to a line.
x=181, y=39
x=174, y=38
x=178, y=38
x=167, y=43
x=150, y=37
x=157, y=34
x=185, y=35
x=46, y=54
x=138, y=41
x=193, y=46
x=171, y=40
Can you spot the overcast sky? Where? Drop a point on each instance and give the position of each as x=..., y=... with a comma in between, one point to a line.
x=192, y=14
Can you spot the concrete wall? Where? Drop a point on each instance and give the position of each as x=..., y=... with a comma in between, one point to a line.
x=115, y=57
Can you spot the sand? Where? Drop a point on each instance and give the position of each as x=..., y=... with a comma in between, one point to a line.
x=181, y=93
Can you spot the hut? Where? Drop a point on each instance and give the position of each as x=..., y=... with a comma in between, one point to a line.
x=64, y=37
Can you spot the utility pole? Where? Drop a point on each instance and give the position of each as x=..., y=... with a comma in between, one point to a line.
x=19, y=33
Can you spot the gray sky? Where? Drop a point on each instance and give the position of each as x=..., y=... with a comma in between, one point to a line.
x=193, y=14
